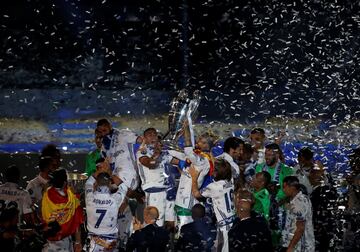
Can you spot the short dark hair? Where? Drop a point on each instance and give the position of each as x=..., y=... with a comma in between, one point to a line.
x=258, y=130
x=198, y=211
x=103, y=122
x=50, y=150
x=12, y=174
x=273, y=146
x=223, y=169
x=267, y=177
x=45, y=162
x=99, y=160
x=248, y=148
x=232, y=143
x=292, y=181
x=58, y=178
x=306, y=153
x=244, y=194
x=103, y=179
x=149, y=129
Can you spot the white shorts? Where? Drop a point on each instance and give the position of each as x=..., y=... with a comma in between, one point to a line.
x=125, y=170
x=164, y=206
x=222, y=239
x=98, y=244
x=64, y=245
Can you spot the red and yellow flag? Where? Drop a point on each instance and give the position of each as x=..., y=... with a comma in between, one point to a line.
x=66, y=210
x=209, y=157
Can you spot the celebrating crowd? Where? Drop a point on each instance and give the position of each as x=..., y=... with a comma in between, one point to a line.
x=141, y=195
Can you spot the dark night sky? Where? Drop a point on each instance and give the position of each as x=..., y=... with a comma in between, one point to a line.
x=251, y=58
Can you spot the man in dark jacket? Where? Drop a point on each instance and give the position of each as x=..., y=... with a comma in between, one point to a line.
x=148, y=237
x=248, y=233
x=197, y=235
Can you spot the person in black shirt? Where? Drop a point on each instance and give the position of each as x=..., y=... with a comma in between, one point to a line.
x=323, y=200
x=249, y=233
x=197, y=235
x=148, y=237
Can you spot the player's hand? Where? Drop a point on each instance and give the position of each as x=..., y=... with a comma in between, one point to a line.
x=123, y=206
x=319, y=164
x=111, y=246
x=193, y=172
x=77, y=247
x=139, y=139
x=116, y=180
x=136, y=224
x=107, y=165
x=158, y=147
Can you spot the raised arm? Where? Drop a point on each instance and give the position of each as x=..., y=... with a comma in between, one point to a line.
x=194, y=185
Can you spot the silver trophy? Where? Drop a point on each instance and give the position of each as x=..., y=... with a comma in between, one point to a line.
x=182, y=108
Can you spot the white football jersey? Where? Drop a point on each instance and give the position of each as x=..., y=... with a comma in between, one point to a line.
x=235, y=170
x=102, y=208
x=36, y=188
x=184, y=197
x=222, y=196
x=11, y=192
x=152, y=178
x=118, y=146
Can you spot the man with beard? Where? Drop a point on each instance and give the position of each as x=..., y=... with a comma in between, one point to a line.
x=278, y=172
x=275, y=167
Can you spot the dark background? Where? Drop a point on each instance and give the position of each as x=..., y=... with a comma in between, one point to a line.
x=251, y=59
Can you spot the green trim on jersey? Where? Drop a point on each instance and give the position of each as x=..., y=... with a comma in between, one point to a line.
x=180, y=211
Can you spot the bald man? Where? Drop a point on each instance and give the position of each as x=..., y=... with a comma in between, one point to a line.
x=248, y=233
x=148, y=236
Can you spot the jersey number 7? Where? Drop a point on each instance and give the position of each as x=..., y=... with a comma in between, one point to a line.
x=102, y=213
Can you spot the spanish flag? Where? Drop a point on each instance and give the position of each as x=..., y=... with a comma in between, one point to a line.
x=66, y=210
x=209, y=157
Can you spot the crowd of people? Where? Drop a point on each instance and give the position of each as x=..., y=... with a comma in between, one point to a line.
x=141, y=195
